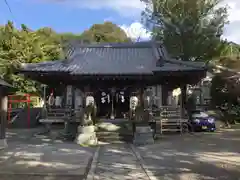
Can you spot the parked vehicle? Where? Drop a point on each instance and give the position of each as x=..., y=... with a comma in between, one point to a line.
x=201, y=121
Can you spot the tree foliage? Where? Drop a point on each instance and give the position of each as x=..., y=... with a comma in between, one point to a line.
x=228, y=89
x=107, y=32
x=25, y=46
x=28, y=46
x=230, y=49
x=189, y=29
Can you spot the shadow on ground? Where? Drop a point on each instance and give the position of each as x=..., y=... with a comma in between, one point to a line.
x=202, y=156
x=43, y=157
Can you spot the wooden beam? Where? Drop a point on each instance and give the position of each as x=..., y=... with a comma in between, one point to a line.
x=183, y=99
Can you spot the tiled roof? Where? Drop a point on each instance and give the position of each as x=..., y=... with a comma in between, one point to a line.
x=4, y=83
x=119, y=58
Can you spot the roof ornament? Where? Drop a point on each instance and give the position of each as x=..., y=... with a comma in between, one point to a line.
x=160, y=62
x=70, y=47
x=159, y=54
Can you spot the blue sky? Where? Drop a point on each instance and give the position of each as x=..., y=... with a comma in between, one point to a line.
x=78, y=15
x=70, y=15
x=60, y=17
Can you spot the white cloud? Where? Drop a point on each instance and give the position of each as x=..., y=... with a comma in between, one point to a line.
x=136, y=31
x=127, y=8
x=111, y=19
x=124, y=7
x=232, y=32
x=133, y=9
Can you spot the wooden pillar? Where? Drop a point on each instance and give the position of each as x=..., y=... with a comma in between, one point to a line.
x=159, y=95
x=141, y=97
x=44, y=108
x=78, y=103
x=183, y=99
x=164, y=95
x=84, y=96
x=3, y=109
x=112, y=116
x=69, y=96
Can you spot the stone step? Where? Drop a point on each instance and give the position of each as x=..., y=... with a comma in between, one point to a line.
x=126, y=133
x=114, y=136
x=114, y=126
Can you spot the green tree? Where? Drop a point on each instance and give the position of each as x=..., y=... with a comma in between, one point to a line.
x=190, y=30
x=230, y=49
x=9, y=41
x=25, y=46
x=50, y=44
x=107, y=32
x=66, y=37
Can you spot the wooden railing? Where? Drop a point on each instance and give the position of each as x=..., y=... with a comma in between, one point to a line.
x=168, y=119
x=58, y=115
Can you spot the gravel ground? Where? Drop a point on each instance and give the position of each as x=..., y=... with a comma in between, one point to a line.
x=202, y=156
x=30, y=157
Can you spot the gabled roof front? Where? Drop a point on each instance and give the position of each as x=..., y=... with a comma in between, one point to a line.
x=115, y=59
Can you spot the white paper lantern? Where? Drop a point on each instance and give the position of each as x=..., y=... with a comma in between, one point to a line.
x=89, y=100
x=133, y=102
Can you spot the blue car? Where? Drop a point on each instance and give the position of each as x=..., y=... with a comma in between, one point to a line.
x=201, y=121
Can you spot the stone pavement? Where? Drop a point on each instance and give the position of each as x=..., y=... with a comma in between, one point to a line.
x=117, y=162
x=30, y=157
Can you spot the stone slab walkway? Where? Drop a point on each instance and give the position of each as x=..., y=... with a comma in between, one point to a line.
x=117, y=162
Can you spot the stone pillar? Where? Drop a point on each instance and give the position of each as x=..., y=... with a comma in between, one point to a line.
x=143, y=134
x=86, y=134
x=3, y=109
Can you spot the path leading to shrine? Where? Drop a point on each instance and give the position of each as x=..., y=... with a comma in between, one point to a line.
x=199, y=156
x=117, y=162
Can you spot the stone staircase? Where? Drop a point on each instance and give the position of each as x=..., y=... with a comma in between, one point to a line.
x=114, y=131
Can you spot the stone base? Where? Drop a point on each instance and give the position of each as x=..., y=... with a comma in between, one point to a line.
x=3, y=144
x=143, y=135
x=86, y=135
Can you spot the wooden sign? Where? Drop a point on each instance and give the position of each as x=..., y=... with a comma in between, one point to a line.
x=69, y=95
